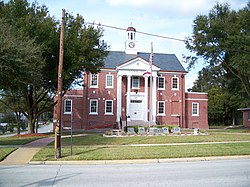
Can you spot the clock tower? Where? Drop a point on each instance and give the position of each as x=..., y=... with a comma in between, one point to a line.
x=130, y=43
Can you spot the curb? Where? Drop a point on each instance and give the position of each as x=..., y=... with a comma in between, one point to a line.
x=138, y=161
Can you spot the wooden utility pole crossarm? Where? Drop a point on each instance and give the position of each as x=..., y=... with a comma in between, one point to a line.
x=58, y=128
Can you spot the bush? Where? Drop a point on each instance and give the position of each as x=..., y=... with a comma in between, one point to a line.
x=135, y=128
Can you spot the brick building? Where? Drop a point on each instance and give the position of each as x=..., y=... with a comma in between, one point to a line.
x=127, y=88
x=246, y=117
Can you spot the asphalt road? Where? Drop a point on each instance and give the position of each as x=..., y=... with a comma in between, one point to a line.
x=201, y=174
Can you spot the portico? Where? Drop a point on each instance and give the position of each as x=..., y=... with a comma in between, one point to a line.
x=137, y=96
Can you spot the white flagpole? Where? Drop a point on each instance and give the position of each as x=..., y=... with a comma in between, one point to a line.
x=151, y=82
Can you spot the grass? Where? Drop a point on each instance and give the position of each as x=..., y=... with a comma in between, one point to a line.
x=19, y=140
x=96, y=147
x=14, y=140
x=100, y=140
x=128, y=152
x=5, y=152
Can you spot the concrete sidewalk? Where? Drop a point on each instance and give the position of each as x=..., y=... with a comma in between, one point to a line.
x=24, y=154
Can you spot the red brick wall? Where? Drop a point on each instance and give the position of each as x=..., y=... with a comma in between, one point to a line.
x=177, y=103
x=201, y=120
x=174, y=101
x=101, y=94
x=77, y=106
x=246, y=122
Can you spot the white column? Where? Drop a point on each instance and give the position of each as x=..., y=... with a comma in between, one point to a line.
x=154, y=100
x=128, y=95
x=119, y=98
x=146, y=99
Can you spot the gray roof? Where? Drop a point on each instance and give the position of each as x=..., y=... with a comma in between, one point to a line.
x=167, y=62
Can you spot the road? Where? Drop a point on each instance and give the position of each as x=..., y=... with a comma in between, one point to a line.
x=206, y=173
x=41, y=129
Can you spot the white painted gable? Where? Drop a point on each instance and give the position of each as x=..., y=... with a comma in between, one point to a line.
x=137, y=64
x=136, y=67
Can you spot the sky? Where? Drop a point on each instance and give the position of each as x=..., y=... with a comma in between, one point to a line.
x=170, y=18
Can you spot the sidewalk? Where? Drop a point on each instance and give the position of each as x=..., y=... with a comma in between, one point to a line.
x=24, y=154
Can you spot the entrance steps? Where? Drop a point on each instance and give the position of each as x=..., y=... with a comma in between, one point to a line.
x=140, y=123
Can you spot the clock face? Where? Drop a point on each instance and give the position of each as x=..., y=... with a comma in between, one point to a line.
x=131, y=44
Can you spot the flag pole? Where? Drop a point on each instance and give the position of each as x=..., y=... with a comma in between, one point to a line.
x=151, y=82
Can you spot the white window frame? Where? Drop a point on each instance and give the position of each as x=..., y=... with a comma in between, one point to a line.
x=158, y=108
x=108, y=113
x=134, y=78
x=91, y=81
x=90, y=102
x=197, y=108
x=177, y=78
x=163, y=83
x=65, y=106
x=109, y=86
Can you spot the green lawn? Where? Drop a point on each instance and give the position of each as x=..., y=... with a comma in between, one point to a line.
x=128, y=152
x=5, y=152
x=96, y=147
x=14, y=140
x=19, y=140
x=100, y=140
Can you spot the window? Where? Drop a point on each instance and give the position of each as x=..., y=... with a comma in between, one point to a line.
x=94, y=81
x=109, y=81
x=195, y=109
x=67, y=106
x=175, y=83
x=161, y=108
x=108, y=107
x=248, y=116
x=135, y=82
x=93, y=106
x=161, y=83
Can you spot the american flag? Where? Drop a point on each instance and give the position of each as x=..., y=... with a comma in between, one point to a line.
x=149, y=70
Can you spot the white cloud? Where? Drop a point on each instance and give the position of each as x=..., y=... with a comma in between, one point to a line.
x=176, y=8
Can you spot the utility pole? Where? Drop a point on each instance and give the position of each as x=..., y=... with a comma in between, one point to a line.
x=58, y=128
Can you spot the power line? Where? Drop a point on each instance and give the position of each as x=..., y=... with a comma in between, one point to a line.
x=149, y=34
x=119, y=28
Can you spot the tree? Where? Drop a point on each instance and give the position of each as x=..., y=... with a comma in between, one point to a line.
x=83, y=51
x=225, y=95
x=222, y=39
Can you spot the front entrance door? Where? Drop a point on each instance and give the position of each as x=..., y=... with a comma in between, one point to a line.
x=136, y=110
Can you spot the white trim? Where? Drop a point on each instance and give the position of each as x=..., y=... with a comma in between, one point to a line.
x=163, y=83
x=133, y=82
x=172, y=73
x=68, y=96
x=192, y=99
x=201, y=93
x=112, y=107
x=197, y=109
x=178, y=86
x=112, y=79
x=108, y=70
x=95, y=113
x=94, y=86
x=164, y=112
x=65, y=106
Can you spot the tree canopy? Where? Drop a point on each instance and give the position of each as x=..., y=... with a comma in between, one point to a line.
x=222, y=39
x=83, y=51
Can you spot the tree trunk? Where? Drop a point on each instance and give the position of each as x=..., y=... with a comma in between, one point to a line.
x=31, y=125
x=233, y=118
